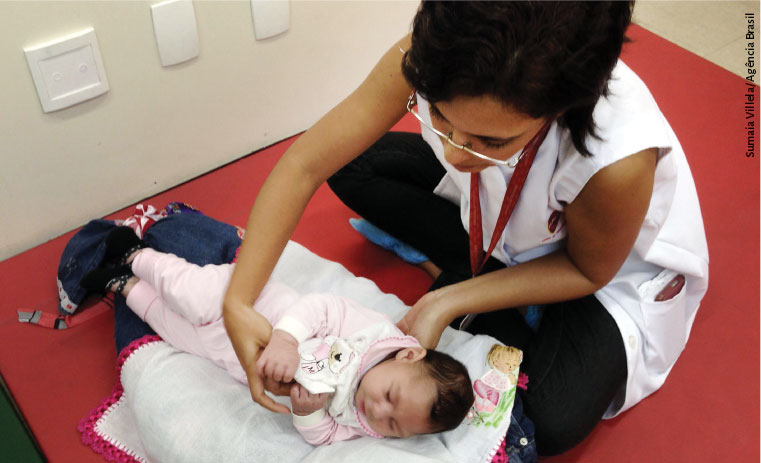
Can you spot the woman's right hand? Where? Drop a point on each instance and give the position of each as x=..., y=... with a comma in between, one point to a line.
x=427, y=319
x=249, y=334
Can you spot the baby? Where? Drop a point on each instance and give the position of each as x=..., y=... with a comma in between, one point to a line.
x=356, y=374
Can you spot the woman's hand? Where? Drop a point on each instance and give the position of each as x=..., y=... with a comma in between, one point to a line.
x=249, y=334
x=427, y=319
x=305, y=403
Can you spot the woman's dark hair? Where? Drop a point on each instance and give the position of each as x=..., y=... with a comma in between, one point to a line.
x=454, y=390
x=544, y=59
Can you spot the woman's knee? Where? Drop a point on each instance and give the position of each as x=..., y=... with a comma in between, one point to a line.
x=558, y=438
x=560, y=424
x=576, y=366
x=566, y=408
x=399, y=156
x=352, y=176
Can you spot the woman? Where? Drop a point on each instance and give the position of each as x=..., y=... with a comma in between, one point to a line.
x=523, y=104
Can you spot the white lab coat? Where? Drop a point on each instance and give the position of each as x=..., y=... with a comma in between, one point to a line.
x=672, y=236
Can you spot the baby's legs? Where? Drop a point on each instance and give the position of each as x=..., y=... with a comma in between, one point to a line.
x=196, y=293
x=172, y=327
x=182, y=302
x=176, y=297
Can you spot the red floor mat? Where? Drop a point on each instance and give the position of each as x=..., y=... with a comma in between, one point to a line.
x=708, y=410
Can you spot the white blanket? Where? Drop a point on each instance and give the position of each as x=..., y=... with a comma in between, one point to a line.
x=176, y=407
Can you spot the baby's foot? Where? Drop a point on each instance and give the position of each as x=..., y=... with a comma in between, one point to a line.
x=123, y=286
x=101, y=280
x=130, y=257
x=121, y=242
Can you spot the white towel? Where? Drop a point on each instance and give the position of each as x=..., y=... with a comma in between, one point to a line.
x=180, y=408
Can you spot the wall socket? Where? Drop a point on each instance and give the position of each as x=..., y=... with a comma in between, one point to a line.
x=68, y=70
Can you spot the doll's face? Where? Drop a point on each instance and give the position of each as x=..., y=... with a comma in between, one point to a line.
x=396, y=399
x=504, y=363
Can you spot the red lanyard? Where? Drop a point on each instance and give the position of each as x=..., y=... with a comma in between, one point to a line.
x=477, y=257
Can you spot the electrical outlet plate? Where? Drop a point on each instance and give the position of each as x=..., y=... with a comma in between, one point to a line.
x=271, y=17
x=68, y=70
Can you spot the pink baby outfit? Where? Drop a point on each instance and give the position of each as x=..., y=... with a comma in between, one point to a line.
x=339, y=340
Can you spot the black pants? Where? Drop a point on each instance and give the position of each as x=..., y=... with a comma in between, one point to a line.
x=576, y=362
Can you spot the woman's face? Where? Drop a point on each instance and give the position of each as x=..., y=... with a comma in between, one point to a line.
x=491, y=128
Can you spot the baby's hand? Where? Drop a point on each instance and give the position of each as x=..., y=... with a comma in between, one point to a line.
x=304, y=403
x=280, y=358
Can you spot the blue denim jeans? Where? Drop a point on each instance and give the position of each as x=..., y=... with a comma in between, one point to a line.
x=520, y=445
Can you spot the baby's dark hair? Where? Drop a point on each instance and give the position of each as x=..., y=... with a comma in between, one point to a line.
x=454, y=390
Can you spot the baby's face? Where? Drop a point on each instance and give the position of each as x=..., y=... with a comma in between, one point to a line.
x=395, y=399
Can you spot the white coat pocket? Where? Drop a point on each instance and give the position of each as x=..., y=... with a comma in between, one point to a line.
x=666, y=330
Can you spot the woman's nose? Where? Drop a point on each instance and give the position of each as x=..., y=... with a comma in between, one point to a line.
x=454, y=155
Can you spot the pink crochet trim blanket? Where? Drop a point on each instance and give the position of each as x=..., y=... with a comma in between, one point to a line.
x=99, y=442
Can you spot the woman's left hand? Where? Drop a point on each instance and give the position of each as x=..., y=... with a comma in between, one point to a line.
x=426, y=320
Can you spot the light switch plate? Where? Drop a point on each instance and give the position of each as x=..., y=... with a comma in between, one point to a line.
x=68, y=70
x=271, y=17
x=174, y=22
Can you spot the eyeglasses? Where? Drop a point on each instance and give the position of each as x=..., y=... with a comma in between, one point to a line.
x=512, y=162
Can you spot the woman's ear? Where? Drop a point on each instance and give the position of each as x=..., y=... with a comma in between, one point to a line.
x=411, y=354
